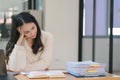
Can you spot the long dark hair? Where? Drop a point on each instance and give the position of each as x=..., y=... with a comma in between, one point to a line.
x=19, y=20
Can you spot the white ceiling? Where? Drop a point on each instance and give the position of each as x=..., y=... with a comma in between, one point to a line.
x=6, y=4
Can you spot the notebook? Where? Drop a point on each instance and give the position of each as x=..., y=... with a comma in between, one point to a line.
x=45, y=74
x=4, y=75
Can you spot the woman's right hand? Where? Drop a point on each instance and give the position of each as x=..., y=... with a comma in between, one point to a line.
x=21, y=37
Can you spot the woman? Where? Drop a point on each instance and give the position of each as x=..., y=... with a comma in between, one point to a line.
x=29, y=48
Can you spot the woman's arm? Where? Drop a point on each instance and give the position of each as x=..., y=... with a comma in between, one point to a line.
x=17, y=59
x=46, y=56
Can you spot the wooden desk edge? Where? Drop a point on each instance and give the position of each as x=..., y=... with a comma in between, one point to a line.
x=69, y=77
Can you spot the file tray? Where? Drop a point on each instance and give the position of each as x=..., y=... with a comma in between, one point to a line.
x=86, y=69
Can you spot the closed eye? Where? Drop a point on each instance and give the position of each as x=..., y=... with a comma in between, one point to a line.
x=33, y=28
x=26, y=32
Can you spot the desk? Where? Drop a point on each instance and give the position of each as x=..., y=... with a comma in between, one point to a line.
x=69, y=77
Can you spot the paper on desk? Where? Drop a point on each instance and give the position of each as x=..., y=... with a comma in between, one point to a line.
x=24, y=73
x=55, y=73
x=44, y=74
x=37, y=74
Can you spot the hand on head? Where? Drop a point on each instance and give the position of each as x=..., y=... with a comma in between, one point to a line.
x=21, y=37
x=19, y=29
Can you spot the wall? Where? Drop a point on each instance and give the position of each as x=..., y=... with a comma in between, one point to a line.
x=61, y=19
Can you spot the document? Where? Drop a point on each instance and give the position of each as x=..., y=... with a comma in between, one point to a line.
x=86, y=69
x=46, y=74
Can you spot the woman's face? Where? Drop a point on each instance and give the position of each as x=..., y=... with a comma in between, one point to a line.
x=30, y=30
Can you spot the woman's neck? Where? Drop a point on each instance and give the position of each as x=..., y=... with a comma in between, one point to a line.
x=30, y=42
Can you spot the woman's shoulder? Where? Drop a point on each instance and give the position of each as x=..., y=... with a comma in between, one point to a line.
x=46, y=35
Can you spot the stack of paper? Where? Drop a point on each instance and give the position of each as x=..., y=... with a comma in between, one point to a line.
x=45, y=74
x=86, y=69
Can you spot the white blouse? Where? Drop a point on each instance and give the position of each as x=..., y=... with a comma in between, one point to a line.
x=23, y=59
